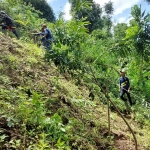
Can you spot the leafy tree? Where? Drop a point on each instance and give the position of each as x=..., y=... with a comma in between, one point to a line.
x=87, y=9
x=78, y=5
x=100, y=34
x=119, y=31
x=137, y=37
x=108, y=7
x=107, y=24
x=43, y=7
x=139, y=31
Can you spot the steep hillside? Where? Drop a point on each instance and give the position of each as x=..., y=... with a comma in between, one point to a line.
x=44, y=110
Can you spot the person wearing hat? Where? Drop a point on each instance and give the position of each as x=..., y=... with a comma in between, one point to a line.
x=47, y=37
x=8, y=23
x=125, y=87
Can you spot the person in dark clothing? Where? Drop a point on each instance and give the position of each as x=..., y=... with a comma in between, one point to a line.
x=47, y=37
x=8, y=23
x=125, y=87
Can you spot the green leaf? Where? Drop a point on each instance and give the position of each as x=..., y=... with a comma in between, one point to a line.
x=2, y=137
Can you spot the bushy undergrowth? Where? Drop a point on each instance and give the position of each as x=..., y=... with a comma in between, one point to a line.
x=35, y=112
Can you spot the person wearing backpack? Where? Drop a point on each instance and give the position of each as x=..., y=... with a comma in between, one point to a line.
x=125, y=87
x=8, y=23
x=47, y=37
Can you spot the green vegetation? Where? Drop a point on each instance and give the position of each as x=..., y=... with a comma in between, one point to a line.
x=58, y=99
x=44, y=8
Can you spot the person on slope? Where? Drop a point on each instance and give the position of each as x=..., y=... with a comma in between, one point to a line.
x=125, y=87
x=8, y=23
x=47, y=37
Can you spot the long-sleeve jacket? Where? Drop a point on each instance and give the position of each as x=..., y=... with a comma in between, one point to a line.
x=124, y=83
x=8, y=21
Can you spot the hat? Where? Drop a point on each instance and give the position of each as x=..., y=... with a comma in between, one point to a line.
x=123, y=71
x=44, y=26
x=2, y=12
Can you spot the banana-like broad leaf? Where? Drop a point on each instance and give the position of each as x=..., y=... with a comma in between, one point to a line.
x=21, y=22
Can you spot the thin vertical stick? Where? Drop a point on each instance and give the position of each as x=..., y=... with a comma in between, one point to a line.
x=108, y=109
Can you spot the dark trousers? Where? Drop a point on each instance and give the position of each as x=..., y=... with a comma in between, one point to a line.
x=4, y=27
x=122, y=92
x=15, y=32
x=47, y=44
